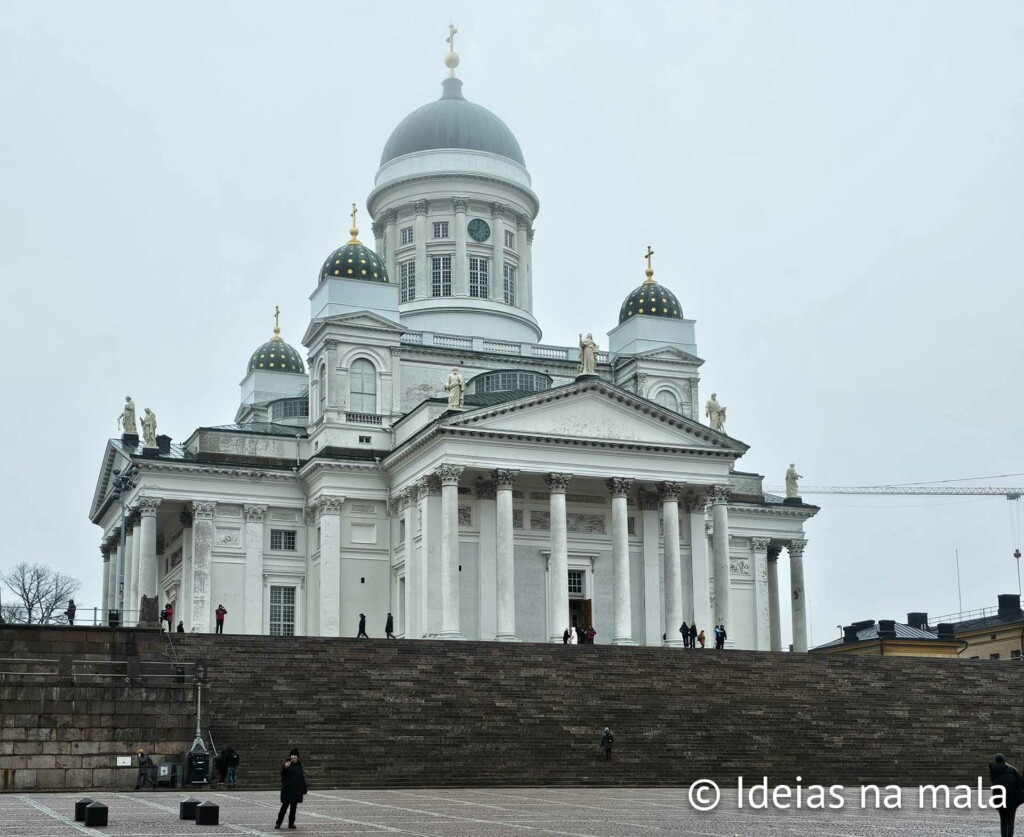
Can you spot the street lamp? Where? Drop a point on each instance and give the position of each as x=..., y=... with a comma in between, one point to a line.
x=124, y=481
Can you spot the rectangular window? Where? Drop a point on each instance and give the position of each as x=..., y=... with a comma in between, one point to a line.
x=510, y=284
x=576, y=582
x=478, y=277
x=993, y=656
x=282, y=611
x=441, y=276
x=1015, y=654
x=510, y=240
x=283, y=539
x=407, y=281
x=405, y=235
x=440, y=229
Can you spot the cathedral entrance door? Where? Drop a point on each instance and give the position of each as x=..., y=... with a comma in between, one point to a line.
x=581, y=615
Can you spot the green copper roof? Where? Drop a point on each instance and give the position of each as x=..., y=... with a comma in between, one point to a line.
x=452, y=122
x=354, y=261
x=651, y=300
x=277, y=356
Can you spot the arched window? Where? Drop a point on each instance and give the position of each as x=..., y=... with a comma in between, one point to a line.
x=321, y=389
x=362, y=387
x=668, y=399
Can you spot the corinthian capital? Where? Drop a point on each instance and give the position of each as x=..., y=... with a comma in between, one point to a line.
x=429, y=486
x=504, y=478
x=669, y=491
x=460, y=204
x=796, y=547
x=148, y=506
x=498, y=210
x=378, y=228
x=760, y=544
x=391, y=216
x=719, y=494
x=329, y=505
x=420, y=207
x=203, y=509
x=557, y=483
x=620, y=486
x=255, y=513
x=449, y=474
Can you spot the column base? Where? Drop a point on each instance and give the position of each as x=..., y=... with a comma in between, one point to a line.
x=453, y=634
x=624, y=640
x=506, y=638
x=673, y=643
x=730, y=644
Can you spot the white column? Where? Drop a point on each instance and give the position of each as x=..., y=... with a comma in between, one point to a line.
x=774, y=611
x=412, y=623
x=799, y=593
x=391, y=243
x=202, y=567
x=558, y=566
x=147, y=550
x=185, y=600
x=497, y=289
x=522, y=295
x=449, y=476
x=504, y=480
x=429, y=490
x=719, y=500
x=669, y=493
x=329, y=521
x=113, y=576
x=526, y=266
x=762, y=607
x=460, y=264
x=105, y=586
x=123, y=580
x=623, y=632
x=650, y=505
x=419, y=234
x=253, y=618
x=699, y=563
x=131, y=568
x=487, y=580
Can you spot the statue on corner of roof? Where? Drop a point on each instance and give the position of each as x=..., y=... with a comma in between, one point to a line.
x=792, y=489
x=149, y=429
x=588, y=355
x=715, y=413
x=126, y=421
x=456, y=388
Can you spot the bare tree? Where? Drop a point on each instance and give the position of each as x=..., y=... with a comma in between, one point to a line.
x=40, y=593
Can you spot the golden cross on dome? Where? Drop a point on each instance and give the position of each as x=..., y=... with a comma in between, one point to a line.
x=354, y=230
x=450, y=40
x=650, y=270
x=277, y=322
x=451, y=60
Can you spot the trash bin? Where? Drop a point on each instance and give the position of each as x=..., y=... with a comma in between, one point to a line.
x=114, y=618
x=198, y=768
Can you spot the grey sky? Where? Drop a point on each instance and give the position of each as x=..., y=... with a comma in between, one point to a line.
x=833, y=190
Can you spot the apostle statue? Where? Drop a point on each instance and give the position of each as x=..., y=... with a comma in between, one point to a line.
x=715, y=413
x=126, y=421
x=588, y=355
x=149, y=429
x=792, y=489
x=456, y=388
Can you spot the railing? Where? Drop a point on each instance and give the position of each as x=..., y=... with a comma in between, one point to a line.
x=447, y=341
x=964, y=615
x=502, y=347
x=552, y=352
x=149, y=672
x=88, y=617
x=363, y=418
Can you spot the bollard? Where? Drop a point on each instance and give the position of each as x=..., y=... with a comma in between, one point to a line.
x=80, y=808
x=207, y=813
x=96, y=815
x=187, y=809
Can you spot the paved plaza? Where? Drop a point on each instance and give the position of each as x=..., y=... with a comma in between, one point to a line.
x=501, y=812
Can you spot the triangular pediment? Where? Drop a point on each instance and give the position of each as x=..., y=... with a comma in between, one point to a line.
x=599, y=411
x=354, y=320
x=668, y=353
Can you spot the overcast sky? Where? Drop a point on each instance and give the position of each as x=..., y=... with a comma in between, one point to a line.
x=833, y=191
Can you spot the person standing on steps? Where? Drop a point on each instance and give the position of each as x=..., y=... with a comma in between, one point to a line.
x=145, y=771
x=293, y=788
x=231, y=761
x=701, y=638
x=181, y=627
x=693, y=636
x=389, y=627
x=722, y=637
x=565, y=637
x=590, y=633
x=220, y=613
x=607, y=739
x=684, y=629
x=70, y=612
x=362, y=627
x=1007, y=776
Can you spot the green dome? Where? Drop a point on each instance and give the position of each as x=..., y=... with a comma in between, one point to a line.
x=651, y=300
x=452, y=122
x=354, y=261
x=277, y=356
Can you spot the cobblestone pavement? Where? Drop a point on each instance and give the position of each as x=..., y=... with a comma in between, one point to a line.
x=500, y=812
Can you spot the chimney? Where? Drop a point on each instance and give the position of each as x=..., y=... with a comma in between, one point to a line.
x=1009, y=604
x=946, y=631
x=850, y=634
x=163, y=444
x=887, y=629
x=918, y=620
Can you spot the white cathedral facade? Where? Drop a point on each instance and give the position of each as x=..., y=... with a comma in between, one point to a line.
x=348, y=486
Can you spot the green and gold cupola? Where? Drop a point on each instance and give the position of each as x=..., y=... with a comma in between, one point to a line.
x=275, y=355
x=650, y=299
x=354, y=260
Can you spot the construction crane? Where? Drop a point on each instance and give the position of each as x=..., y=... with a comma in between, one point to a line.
x=989, y=491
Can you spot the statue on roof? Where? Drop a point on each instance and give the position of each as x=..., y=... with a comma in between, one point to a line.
x=715, y=413
x=588, y=355
x=792, y=488
x=149, y=429
x=456, y=388
x=126, y=421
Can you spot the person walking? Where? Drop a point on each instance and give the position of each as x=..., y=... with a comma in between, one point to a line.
x=693, y=635
x=1007, y=776
x=220, y=613
x=715, y=636
x=701, y=638
x=167, y=616
x=590, y=633
x=389, y=627
x=362, y=627
x=573, y=636
x=722, y=637
x=293, y=788
x=145, y=771
x=684, y=629
x=181, y=627
x=565, y=637
x=231, y=761
x=607, y=739
x=70, y=612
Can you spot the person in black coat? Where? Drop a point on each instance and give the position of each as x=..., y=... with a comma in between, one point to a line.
x=389, y=627
x=1006, y=775
x=684, y=629
x=362, y=626
x=293, y=788
x=607, y=739
x=693, y=635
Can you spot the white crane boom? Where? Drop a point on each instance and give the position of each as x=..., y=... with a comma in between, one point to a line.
x=984, y=491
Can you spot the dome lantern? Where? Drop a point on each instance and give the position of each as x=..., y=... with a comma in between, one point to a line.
x=275, y=355
x=650, y=299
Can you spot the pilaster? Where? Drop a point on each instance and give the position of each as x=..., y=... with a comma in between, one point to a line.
x=328, y=511
x=202, y=566
x=623, y=606
x=253, y=617
x=762, y=612
x=675, y=601
x=504, y=480
x=486, y=494
x=558, y=564
x=654, y=606
x=799, y=593
x=774, y=610
x=450, y=599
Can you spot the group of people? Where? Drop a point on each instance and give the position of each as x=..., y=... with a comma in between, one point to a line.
x=573, y=636
x=167, y=615
x=692, y=638
x=389, y=627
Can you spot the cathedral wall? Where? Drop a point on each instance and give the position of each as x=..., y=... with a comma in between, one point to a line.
x=365, y=588
x=227, y=587
x=469, y=590
x=531, y=594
